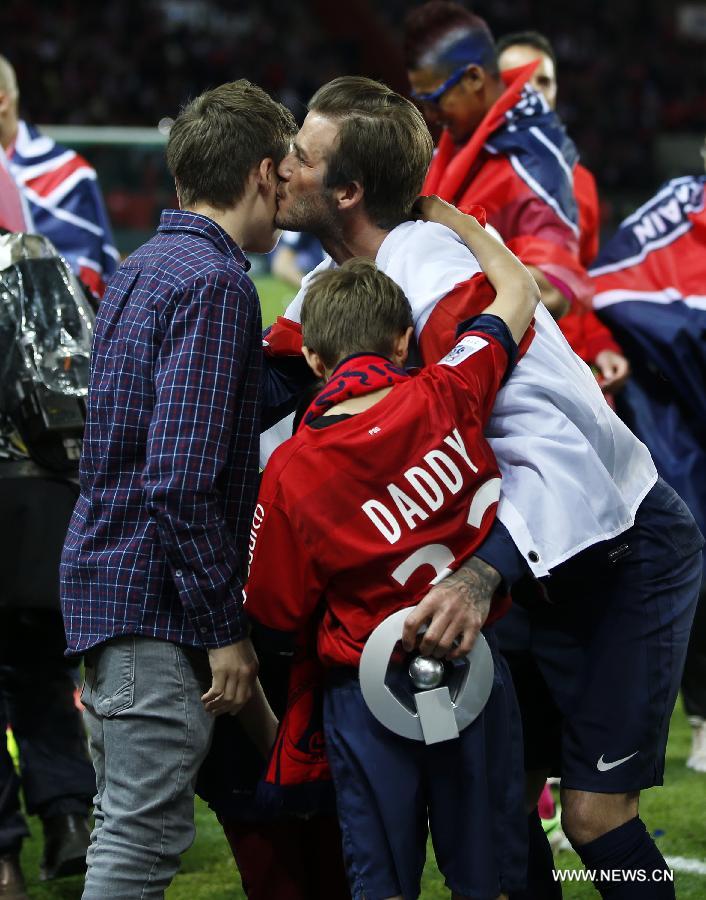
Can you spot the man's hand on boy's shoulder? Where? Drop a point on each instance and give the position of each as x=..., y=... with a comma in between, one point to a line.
x=234, y=669
x=455, y=609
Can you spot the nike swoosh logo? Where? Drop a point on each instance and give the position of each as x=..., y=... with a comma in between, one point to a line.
x=603, y=766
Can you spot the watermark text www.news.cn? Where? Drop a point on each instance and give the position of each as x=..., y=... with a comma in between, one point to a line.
x=614, y=875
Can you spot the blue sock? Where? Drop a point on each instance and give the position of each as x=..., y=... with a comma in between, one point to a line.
x=630, y=850
x=541, y=884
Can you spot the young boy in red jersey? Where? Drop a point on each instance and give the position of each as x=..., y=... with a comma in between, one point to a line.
x=357, y=512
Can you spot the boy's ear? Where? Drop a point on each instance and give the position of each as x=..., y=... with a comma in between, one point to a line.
x=315, y=362
x=400, y=348
x=266, y=174
x=350, y=195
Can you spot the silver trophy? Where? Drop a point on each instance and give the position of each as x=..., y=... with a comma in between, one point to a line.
x=427, y=699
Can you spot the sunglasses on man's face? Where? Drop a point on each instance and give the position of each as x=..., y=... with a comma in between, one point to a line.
x=435, y=96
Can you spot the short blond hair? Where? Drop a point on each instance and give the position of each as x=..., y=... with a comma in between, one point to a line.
x=8, y=79
x=353, y=309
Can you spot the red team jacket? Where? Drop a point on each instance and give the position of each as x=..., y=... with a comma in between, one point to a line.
x=355, y=520
x=581, y=327
x=589, y=214
x=519, y=208
x=531, y=222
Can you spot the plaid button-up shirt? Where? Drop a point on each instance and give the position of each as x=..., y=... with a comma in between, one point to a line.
x=158, y=539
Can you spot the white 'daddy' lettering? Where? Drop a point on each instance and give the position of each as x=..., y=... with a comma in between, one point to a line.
x=429, y=485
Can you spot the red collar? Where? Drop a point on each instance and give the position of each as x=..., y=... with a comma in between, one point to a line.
x=355, y=376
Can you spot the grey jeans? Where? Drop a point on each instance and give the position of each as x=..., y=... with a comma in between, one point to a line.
x=148, y=734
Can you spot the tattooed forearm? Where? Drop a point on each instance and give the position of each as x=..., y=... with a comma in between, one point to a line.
x=454, y=610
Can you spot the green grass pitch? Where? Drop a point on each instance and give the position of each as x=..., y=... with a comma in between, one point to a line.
x=274, y=297
x=208, y=872
x=677, y=812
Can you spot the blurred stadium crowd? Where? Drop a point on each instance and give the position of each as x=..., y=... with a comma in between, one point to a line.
x=628, y=70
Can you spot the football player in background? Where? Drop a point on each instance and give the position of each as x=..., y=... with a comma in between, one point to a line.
x=500, y=146
x=587, y=335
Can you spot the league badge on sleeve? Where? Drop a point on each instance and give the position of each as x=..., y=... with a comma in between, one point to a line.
x=466, y=347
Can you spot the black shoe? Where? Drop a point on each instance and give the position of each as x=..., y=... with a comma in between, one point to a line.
x=12, y=884
x=66, y=839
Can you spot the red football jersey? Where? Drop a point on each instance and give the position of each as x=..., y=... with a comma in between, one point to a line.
x=355, y=520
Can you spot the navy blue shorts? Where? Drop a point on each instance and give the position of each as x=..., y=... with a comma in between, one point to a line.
x=391, y=791
x=598, y=666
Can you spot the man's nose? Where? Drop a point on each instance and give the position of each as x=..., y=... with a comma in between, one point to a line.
x=285, y=167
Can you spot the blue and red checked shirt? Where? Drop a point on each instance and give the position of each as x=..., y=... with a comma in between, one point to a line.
x=159, y=535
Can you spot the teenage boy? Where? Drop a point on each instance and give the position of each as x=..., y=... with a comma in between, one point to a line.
x=151, y=571
x=354, y=515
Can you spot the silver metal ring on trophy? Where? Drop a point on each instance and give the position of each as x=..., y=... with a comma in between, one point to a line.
x=423, y=698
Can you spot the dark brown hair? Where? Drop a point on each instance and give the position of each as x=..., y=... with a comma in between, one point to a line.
x=353, y=309
x=220, y=137
x=383, y=143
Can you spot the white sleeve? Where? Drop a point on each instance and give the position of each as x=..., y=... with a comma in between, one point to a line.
x=427, y=260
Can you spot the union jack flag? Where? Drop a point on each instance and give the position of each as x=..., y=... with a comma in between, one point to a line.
x=62, y=192
x=650, y=281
